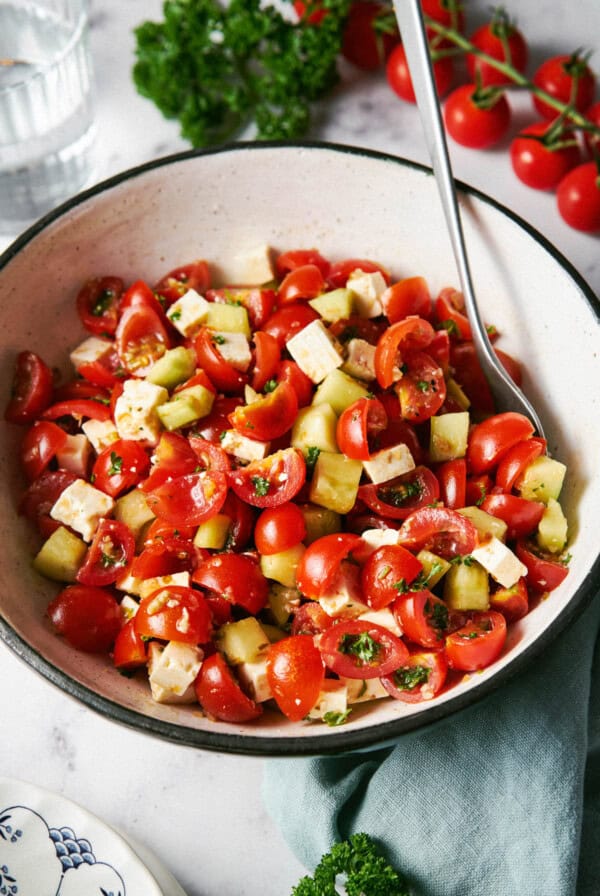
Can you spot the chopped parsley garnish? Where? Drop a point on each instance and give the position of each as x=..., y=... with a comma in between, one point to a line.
x=363, y=646
x=450, y=326
x=437, y=614
x=103, y=302
x=261, y=485
x=218, y=339
x=311, y=456
x=116, y=464
x=408, y=678
x=397, y=495
x=175, y=315
x=333, y=718
x=423, y=385
x=422, y=581
x=107, y=561
x=270, y=385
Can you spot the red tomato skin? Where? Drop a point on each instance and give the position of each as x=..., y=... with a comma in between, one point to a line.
x=130, y=650
x=361, y=45
x=279, y=528
x=214, y=424
x=300, y=284
x=189, y=500
x=295, y=673
x=450, y=306
x=289, y=462
x=133, y=464
x=174, y=613
x=340, y=271
x=310, y=619
x=289, y=261
x=356, y=423
x=98, y=304
x=259, y=303
x=521, y=516
x=469, y=654
x=269, y=417
x=553, y=77
x=320, y=562
x=452, y=477
x=382, y=572
x=538, y=166
x=407, y=297
x=578, y=198
x=543, y=572
x=490, y=440
x=408, y=335
x=78, y=408
x=422, y=389
x=220, y=372
x=110, y=535
x=487, y=39
x=374, y=496
x=516, y=460
x=195, y=275
x=512, y=602
x=289, y=320
x=415, y=610
x=31, y=389
x=41, y=496
x=395, y=651
x=89, y=618
x=471, y=126
x=267, y=357
x=437, y=666
x=236, y=577
x=399, y=79
x=440, y=530
x=141, y=339
x=220, y=695
x=165, y=556
x=39, y=446
x=303, y=386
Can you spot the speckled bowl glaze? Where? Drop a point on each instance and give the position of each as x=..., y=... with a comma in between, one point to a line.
x=347, y=202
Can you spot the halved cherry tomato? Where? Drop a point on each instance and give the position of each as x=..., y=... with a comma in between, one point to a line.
x=267, y=417
x=272, y=481
x=42, y=495
x=242, y=518
x=423, y=617
x=295, y=258
x=103, y=373
x=295, y=673
x=89, y=618
x=399, y=497
x=78, y=408
x=421, y=677
x=139, y=295
x=440, y=530
x=439, y=349
x=397, y=430
x=302, y=283
x=141, y=339
x=189, y=500
x=259, y=303
x=544, y=572
x=236, y=577
x=199, y=378
x=174, y=613
x=364, y=419
x=477, y=487
x=359, y=649
x=340, y=271
x=210, y=456
x=356, y=327
x=158, y=531
x=320, y=563
x=478, y=643
x=31, y=391
x=173, y=456
x=521, y=516
x=408, y=335
x=422, y=389
x=452, y=477
x=219, y=694
x=98, y=304
x=279, y=528
x=310, y=619
x=120, y=466
x=80, y=389
x=289, y=320
x=516, y=460
x=512, y=602
x=303, y=386
x=214, y=424
x=166, y=555
x=220, y=372
x=110, y=552
x=130, y=650
x=177, y=282
x=450, y=312
x=386, y=570
x=40, y=445
x=490, y=440
x=267, y=357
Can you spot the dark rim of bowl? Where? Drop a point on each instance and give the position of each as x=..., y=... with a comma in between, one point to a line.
x=341, y=740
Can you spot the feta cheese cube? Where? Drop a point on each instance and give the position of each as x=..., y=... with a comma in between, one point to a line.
x=377, y=538
x=500, y=562
x=81, y=506
x=234, y=347
x=100, y=433
x=315, y=351
x=345, y=597
x=136, y=414
x=189, y=312
x=172, y=671
x=385, y=618
x=253, y=678
x=146, y=587
x=360, y=359
x=75, y=455
x=388, y=463
x=242, y=447
x=368, y=289
x=91, y=349
x=129, y=607
x=361, y=690
x=333, y=698
x=252, y=267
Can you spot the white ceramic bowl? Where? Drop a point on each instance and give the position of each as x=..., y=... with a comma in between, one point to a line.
x=347, y=203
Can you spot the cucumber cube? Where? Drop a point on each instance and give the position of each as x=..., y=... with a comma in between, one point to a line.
x=176, y=366
x=229, y=318
x=281, y=567
x=319, y=521
x=335, y=481
x=315, y=428
x=339, y=390
x=552, y=529
x=487, y=526
x=242, y=641
x=334, y=305
x=466, y=587
x=186, y=407
x=61, y=556
x=542, y=479
x=448, y=436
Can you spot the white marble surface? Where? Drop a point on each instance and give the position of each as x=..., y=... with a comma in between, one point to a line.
x=201, y=813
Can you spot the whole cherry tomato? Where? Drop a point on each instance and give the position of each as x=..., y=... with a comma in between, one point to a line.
x=295, y=673
x=220, y=695
x=540, y=162
x=31, y=389
x=88, y=617
x=399, y=79
x=501, y=40
x=476, y=117
x=369, y=35
x=568, y=79
x=578, y=198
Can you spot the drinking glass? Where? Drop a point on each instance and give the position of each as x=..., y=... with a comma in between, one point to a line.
x=46, y=107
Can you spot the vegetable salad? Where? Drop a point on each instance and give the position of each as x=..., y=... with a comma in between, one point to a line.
x=293, y=494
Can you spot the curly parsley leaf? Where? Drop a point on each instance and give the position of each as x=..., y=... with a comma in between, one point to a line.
x=217, y=68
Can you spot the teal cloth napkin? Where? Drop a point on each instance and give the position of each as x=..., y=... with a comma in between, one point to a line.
x=502, y=799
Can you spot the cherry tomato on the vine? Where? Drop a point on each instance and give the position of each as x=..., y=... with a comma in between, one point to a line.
x=541, y=163
x=399, y=79
x=501, y=40
x=568, y=79
x=578, y=198
x=476, y=117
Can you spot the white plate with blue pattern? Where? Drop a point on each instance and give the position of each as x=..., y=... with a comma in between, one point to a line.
x=50, y=846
